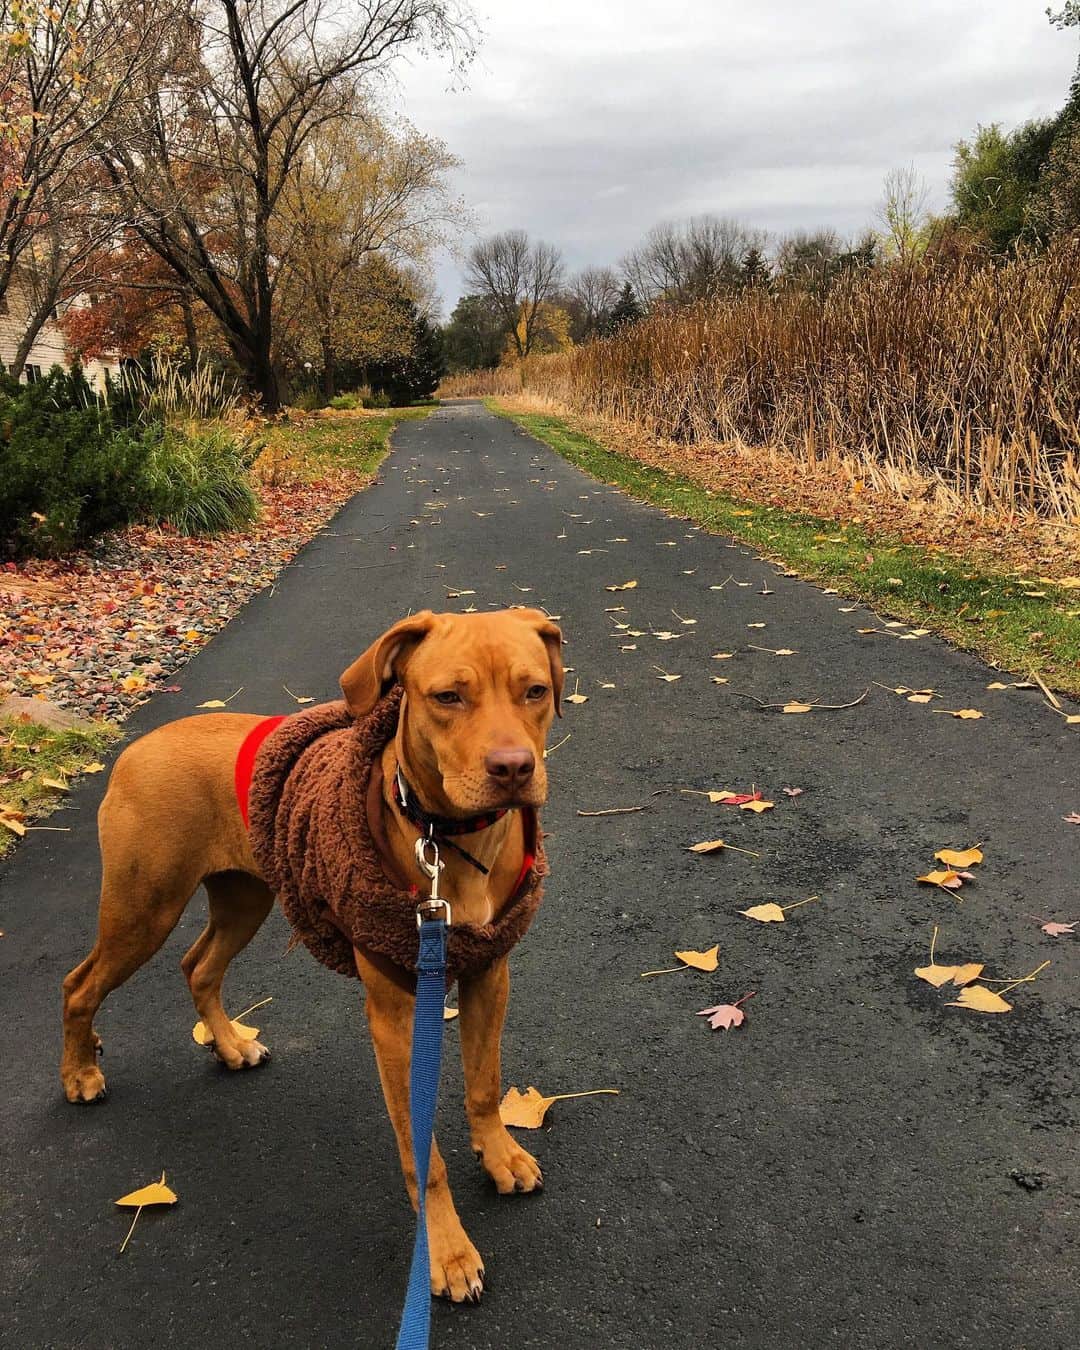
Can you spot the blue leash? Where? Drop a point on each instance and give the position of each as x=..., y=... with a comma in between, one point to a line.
x=423, y=1093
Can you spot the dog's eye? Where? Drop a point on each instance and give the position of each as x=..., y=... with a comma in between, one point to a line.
x=447, y=697
x=536, y=691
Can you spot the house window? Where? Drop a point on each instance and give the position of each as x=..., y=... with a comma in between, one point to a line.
x=33, y=374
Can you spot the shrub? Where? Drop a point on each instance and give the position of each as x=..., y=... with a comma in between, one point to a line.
x=379, y=400
x=198, y=477
x=346, y=402
x=66, y=472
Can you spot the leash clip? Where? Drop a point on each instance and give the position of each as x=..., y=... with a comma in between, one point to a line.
x=429, y=862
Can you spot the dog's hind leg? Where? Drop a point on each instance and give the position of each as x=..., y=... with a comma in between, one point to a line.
x=238, y=905
x=139, y=908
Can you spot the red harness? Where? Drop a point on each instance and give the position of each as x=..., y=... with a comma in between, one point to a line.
x=245, y=766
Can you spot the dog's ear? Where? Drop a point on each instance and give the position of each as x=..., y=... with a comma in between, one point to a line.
x=363, y=683
x=552, y=636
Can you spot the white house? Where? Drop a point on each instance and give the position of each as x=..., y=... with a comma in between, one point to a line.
x=49, y=348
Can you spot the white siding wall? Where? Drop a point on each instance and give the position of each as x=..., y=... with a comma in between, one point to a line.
x=49, y=349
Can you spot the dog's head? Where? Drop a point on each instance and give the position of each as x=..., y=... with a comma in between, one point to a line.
x=480, y=694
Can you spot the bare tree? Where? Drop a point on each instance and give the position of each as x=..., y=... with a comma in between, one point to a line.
x=696, y=259
x=902, y=212
x=202, y=158
x=519, y=277
x=596, y=291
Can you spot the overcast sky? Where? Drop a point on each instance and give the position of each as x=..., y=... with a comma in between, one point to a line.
x=587, y=121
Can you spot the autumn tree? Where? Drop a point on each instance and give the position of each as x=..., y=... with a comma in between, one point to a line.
x=519, y=276
x=202, y=159
x=360, y=187
x=903, y=214
x=65, y=70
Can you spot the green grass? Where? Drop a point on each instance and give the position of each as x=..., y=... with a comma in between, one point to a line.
x=318, y=445
x=30, y=753
x=971, y=606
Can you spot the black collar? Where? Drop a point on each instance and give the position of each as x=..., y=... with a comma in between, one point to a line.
x=443, y=828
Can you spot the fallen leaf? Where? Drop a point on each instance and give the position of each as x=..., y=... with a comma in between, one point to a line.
x=449, y=1014
x=626, y=586
x=797, y=707
x=722, y=656
x=299, y=698
x=792, y=791
x=157, y=1193
x=996, y=684
x=757, y=805
x=576, y=697
x=950, y=879
x=666, y=675
x=1073, y=818
x=55, y=784
x=96, y=767
x=1054, y=928
x=977, y=998
x=962, y=858
x=691, y=960
x=220, y=702
x=772, y=912
x=716, y=845
x=967, y=714
x=527, y=1109
x=726, y=1015
x=718, y=679
x=200, y=1032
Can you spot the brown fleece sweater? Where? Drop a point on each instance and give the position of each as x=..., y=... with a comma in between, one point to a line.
x=315, y=806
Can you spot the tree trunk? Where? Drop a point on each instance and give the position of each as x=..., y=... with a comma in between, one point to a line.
x=329, y=369
x=34, y=325
x=191, y=336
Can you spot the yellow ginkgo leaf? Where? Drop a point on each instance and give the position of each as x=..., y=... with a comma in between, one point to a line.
x=949, y=879
x=965, y=714
x=576, y=698
x=200, y=1032
x=707, y=960
x=448, y=1014
x=796, y=707
x=220, y=702
x=527, y=1109
x=716, y=846
x=722, y=656
x=157, y=1193
x=757, y=806
x=936, y=975
x=55, y=784
x=770, y=913
x=952, y=857
x=965, y=974
x=626, y=586
x=96, y=767
x=977, y=998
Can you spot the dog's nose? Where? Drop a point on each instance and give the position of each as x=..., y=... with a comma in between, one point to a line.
x=510, y=768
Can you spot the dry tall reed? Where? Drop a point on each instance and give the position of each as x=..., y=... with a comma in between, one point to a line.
x=964, y=375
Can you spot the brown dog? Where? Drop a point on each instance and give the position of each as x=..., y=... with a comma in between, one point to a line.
x=480, y=694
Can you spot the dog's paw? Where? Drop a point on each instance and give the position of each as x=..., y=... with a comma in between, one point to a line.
x=240, y=1054
x=85, y=1085
x=509, y=1166
x=457, y=1272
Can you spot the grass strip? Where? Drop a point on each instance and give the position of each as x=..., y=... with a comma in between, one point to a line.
x=317, y=446
x=31, y=753
x=973, y=607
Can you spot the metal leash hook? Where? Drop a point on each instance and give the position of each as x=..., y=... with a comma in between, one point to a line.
x=431, y=867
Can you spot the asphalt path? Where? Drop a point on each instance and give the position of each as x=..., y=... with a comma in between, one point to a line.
x=858, y=1165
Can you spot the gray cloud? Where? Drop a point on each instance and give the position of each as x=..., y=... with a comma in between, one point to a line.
x=586, y=123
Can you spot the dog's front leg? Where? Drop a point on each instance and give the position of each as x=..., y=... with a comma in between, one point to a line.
x=456, y=1268
x=483, y=1000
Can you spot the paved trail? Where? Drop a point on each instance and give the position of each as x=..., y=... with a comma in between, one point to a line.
x=835, y=1173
